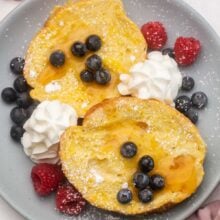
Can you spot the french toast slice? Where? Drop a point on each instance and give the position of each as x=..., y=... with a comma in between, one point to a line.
x=122, y=46
x=91, y=159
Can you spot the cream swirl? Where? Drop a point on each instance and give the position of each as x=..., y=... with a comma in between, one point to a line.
x=44, y=128
x=158, y=78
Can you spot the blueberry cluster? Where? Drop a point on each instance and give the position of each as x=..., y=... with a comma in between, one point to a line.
x=94, y=70
x=184, y=104
x=19, y=94
x=188, y=106
x=143, y=182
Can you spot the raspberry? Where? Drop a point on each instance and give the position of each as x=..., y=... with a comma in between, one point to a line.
x=69, y=201
x=186, y=50
x=155, y=35
x=46, y=178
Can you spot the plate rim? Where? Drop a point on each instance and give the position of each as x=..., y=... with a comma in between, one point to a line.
x=184, y=6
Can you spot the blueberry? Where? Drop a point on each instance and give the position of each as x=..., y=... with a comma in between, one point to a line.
x=141, y=180
x=93, y=43
x=169, y=52
x=199, y=100
x=145, y=195
x=9, y=95
x=17, y=65
x=124, y=196
x=183, y=104
x=57, y=58
x=20, y=84
x=102, y=77
x=188, y=83
x=87, y=76
x=24, y=100
x=157, y=182
x=192, y=115
x=18, y=115
x=128, y=150
x=78, y=49
x=31, y=108
x=16, y=133
x=146, y=164
x=94, y=63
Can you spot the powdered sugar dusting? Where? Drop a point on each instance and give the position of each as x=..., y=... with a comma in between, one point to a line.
x=84, y=104
x=61, y=23
x=124, y=186
x=52, y=87
x=132, y=58
x=32, y=74
x=98, y=178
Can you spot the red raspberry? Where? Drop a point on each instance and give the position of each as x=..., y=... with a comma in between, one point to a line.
x=155, y=35
x=46, y=178
x=186, y=50
x=69, y=201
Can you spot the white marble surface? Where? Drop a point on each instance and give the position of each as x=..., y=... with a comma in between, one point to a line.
x=209, y=9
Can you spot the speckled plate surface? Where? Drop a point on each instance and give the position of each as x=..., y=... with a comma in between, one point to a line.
x=15, y=33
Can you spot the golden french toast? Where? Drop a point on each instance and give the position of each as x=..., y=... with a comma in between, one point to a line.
x=122, y=46
x=92, y=162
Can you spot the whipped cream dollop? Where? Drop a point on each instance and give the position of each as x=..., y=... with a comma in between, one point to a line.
x=44, y=128
x=157, y=77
